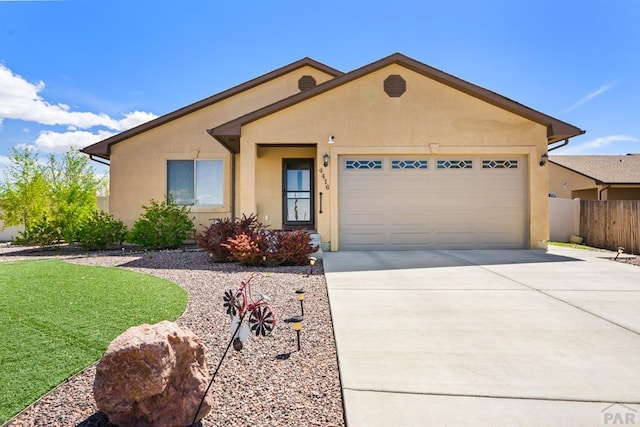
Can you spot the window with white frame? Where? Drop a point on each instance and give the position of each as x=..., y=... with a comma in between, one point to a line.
x=196, y=182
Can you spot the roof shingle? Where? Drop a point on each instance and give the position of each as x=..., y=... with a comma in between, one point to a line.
x=603, y=169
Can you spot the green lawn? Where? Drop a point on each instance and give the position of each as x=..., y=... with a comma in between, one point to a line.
x=57, y=318
x=572, y=245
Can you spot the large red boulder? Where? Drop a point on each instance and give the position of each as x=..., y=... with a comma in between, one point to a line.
x=153, y=375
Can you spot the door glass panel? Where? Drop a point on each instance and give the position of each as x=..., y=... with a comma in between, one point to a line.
x=298, y=192
x=299, y=210
x=298, y=180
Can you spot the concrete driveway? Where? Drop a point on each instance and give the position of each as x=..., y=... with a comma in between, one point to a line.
x=492, y=337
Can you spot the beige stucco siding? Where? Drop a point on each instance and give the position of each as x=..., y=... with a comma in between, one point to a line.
x=428, y=118
x=623, y=193
x=564, y=182
x=567, y=184
x=138, y=165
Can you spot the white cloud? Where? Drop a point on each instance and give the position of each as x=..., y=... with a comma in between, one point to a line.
x=5, y=162
x=60, y=142
x=595, y=145
x=21, y=100
x=131, y=120
x=589, y=97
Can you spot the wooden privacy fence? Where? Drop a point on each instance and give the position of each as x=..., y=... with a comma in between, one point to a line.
x=608, y=224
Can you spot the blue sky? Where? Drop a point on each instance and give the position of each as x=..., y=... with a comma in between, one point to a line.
x=74, y=72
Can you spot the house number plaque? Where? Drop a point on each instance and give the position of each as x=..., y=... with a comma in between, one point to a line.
x=323, y=175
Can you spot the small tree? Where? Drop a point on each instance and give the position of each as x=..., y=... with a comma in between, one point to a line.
x=24, y=191
x=162, y=225
x=73, y=189
x=56, y=196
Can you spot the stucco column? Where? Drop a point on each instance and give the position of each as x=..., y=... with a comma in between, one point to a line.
x=248, y=154
x=539, y=200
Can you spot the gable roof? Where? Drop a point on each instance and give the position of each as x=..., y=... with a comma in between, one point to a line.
x=103, y=148
x=603, y=169
x=228, y=134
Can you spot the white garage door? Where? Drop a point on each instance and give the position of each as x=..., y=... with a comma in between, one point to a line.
x=454, y=202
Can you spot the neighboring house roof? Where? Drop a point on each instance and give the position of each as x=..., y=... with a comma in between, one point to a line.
x=228, y=134
x=603, y=169
x=103, y=148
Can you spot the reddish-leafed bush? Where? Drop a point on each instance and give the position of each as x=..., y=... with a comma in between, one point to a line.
x=247, y=249
x=291, y=247
x=247, y=241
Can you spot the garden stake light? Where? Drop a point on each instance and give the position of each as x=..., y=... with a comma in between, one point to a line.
x=296, y=321
x=300, y=294
x=620, y=250
x=261, y=322
x=312, y=262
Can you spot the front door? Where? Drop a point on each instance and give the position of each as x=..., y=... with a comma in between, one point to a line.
x=297, y=191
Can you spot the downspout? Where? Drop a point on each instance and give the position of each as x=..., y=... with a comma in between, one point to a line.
x=233, y=186
x=233, y=182
x=601, y=190
x=566, y=141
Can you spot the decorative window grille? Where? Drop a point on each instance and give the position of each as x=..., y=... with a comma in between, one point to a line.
x=455, y=164
x=363, y=164
x=408, y=164
x=499, y=164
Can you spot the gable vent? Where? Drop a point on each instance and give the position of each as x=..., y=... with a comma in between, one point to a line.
x=395, y=86
x=306, y=83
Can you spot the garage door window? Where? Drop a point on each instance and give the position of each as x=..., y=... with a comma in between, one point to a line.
x=455, y=164
x=408, y=164
x=499, y=164
x=363, y=164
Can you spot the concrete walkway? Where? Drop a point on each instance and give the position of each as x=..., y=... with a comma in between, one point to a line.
x=491, y=337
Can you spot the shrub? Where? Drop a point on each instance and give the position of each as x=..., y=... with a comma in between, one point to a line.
x=291, y=247
x=162, y=225
x=215, y=238
x=248, y=249
x=250, y=224
x=44, y=232
x=247, y=241
x=101, y=231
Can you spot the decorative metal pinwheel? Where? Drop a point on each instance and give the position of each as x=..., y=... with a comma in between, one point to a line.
x=262, y=321
x=233, y=302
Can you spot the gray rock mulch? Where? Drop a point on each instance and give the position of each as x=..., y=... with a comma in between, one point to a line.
x=268, y=383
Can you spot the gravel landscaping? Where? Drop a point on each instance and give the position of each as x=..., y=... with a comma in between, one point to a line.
x=268, y=383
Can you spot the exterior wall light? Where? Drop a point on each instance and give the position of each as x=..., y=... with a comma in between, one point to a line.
x=300, y=295
x=543, y=159
x=325, y=158
x=296, y=322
